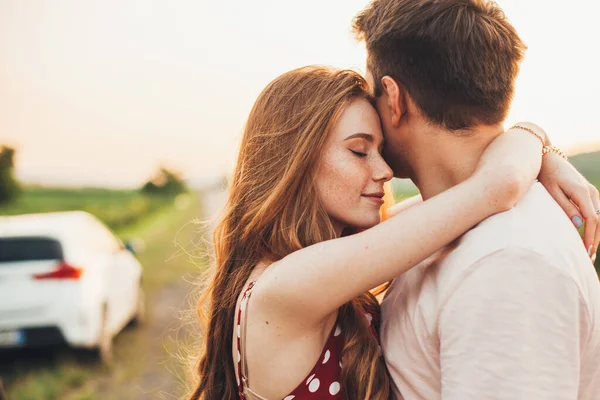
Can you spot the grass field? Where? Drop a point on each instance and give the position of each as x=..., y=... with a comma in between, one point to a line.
x=171, y=242
x=589, y=165
x=116, y=208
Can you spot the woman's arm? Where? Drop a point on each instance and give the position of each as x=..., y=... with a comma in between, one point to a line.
x=310, y=284
x=578, y=198
x=404, y=205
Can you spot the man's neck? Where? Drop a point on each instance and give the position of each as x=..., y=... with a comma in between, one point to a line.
x=442, y=159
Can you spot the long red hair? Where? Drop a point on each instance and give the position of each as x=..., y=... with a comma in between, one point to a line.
x=272, y=211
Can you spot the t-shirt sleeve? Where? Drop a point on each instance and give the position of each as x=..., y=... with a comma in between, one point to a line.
x=512, y=328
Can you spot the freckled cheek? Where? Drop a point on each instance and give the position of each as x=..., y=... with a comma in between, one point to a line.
x=344, y=178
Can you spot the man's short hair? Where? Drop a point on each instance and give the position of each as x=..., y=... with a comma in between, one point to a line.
x=457, y=59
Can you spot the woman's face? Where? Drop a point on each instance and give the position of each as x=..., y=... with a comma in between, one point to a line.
x=351, y=172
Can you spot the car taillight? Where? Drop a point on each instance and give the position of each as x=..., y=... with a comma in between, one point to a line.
x=63, y=271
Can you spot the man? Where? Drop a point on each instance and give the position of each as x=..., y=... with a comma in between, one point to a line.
x=512, y=309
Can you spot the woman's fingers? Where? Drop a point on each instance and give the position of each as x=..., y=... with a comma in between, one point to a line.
x=581, y=196
x=570, y=209
x=581, y=206
x=578, y=197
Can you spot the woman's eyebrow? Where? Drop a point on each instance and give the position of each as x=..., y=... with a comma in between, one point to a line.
x=366, y=136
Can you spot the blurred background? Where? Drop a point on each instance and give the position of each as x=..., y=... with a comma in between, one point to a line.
x=131, y=110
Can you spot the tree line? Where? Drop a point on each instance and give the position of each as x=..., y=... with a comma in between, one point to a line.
x=164, y=181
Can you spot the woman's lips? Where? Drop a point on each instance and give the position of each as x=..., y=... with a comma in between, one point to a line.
x=374, y=197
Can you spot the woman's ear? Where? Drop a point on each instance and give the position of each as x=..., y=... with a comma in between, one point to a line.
x=395, y=99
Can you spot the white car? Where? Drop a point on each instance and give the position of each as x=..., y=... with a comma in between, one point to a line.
x=65, y=278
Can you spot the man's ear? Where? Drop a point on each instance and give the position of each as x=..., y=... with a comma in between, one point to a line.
x=395, y=99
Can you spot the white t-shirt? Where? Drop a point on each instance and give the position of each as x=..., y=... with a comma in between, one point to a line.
x=510, y=311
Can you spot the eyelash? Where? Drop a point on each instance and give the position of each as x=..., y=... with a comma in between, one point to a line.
x=358, y=154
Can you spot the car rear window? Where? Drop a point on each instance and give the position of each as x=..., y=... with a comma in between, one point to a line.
x=29, y=249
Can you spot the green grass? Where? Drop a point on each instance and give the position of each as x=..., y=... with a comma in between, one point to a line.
x=589, y=165
x=68, y=374
x=403, y=189
x=116, y=208
x=49, y=383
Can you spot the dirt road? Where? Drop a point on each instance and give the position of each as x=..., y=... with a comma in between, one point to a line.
x=161, y=373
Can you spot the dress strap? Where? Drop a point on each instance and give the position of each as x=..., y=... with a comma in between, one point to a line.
x=242, y=318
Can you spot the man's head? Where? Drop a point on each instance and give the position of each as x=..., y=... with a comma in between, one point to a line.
x=447, y=63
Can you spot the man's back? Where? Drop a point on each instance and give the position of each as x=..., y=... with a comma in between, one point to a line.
x=512, y=310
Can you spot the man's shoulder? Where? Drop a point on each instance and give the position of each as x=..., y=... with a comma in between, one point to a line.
x=537, y=218
x=536, y=231
x=536, y=228
x=537, y=223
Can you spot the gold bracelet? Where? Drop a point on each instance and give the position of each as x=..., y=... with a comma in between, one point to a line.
x=534, y=133
x=554, y=150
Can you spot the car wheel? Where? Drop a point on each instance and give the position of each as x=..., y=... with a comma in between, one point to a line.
x=104, y=351
x=140, y=311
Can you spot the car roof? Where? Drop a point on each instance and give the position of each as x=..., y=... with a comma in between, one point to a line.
x=59, y=225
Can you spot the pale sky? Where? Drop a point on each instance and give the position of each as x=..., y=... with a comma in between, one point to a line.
x=100, y=92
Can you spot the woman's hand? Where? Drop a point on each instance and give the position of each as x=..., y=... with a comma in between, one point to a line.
x=511, y=159
x=578, y=197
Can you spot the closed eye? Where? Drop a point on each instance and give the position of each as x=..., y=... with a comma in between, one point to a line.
x=359, y=154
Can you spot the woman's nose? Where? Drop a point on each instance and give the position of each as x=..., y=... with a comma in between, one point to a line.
x=382, y=171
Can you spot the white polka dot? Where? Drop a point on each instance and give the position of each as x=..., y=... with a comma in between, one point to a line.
x=239, y=330
x=290, y=397
x=239, y=356
x=310, y=379
x=327, y=355
x=314, y=385
x=338, y=330
x=334, y=388
x=369, y=317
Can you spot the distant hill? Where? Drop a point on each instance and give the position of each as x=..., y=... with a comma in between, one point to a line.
x=589, y=165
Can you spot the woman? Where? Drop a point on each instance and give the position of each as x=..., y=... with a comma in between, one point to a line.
x=290, y=313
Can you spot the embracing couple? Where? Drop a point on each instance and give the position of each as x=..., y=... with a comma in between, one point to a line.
x=493, y=294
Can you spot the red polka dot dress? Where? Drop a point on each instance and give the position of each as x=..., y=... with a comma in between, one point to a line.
x=322, y=382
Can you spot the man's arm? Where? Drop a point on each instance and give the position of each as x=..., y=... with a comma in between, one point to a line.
x=512, y=329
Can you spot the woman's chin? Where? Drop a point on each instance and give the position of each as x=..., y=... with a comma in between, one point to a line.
x=366, y=223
